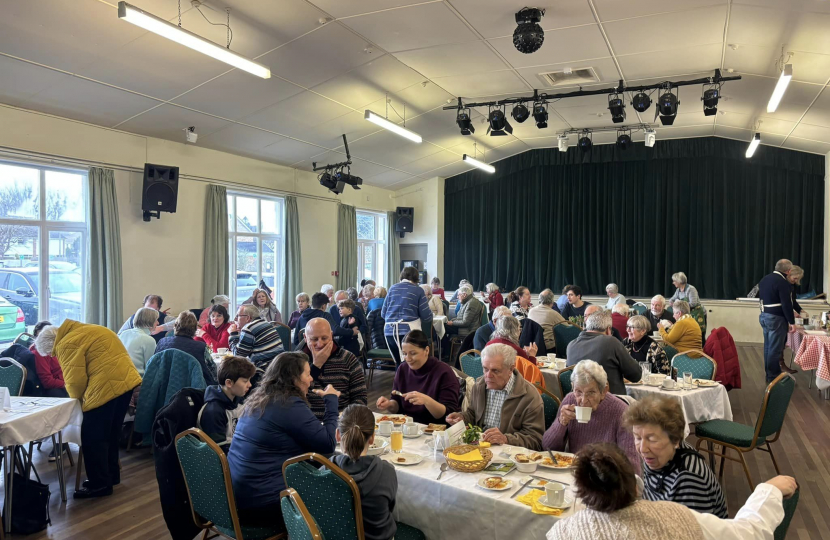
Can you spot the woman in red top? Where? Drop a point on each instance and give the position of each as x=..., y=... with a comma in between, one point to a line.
x=437, y=290
x=494, y=298
x=215, y=333
x=508, y=331
x=48, y=369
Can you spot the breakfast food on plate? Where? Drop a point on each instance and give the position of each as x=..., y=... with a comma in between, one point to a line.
x=536, y=456
x=435, y=427
x=561, y=461
x=522, y=458
x=401, y=460
x=495, y=482
x=393, y=419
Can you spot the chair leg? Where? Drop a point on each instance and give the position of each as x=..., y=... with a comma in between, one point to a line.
x=746, y=471
x=80, y=466
x=130, y=438
x=722, y=461
x=711, y=455
x=774, y=462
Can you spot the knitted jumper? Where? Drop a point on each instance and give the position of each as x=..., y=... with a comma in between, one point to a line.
x=643, y=520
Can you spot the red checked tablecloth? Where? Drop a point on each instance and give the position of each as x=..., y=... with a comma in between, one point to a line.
x=794, y=338
x=814, y=353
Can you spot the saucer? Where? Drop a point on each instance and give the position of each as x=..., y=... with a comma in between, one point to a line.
x=569, y=500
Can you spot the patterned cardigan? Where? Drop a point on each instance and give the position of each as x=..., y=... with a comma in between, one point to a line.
x=655, y=355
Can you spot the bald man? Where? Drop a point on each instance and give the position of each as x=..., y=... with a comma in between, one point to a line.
x=593, y=309
x=334, y=365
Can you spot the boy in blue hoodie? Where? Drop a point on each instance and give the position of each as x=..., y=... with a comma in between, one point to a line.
x=221, y=410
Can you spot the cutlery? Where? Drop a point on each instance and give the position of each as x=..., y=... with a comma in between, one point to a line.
x=553, y=458
x=444, y=467
x=522, y=487
x=396, y=393
x=548, y=480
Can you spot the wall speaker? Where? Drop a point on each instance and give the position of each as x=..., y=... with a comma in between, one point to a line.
x=405, y=218
x=160, y=191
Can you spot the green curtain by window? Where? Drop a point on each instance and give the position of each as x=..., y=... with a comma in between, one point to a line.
x=216, y=267
x=103, y=304
x=346, y=246
x=548, y=218
x=292, y=276
x=393, y=251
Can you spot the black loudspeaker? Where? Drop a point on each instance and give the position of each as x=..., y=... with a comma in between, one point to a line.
x=404, y=220
x=160, y=191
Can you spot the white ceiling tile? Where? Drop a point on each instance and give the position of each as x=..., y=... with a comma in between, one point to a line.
x=809, y=33
x=809, y=131
x=667, y=31
x=703, y=58
x=388, y=178
x=751, y=59
x=775, y=125
x=421, y=98
x=497, y=18
x=796, y=5
x=424, y=25
x=683, y=119
x=446, y=60
x=803, y=145
x=338, y=8
x=369, y=82
x=392, y=150
x=169, y=121
x=605, y=69
x=474, y=85
x=236, y=138
x=363, y=168
x=548, y=142
x=290, y=151
x=734, y=119
x=751, y=94
x=295, y=115
x=819, y=113
x=509, y=148
x=321, y=158
x=680, y=132
x=729, y=132
x=759, y=26
x=609, y=10
x=21, y=80
x=446, y=171
x=330, y=133
x=565, y=45
x=431, y=162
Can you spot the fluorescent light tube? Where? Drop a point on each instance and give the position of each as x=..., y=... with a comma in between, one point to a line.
x=392, y=126
x=753, y=144
x=172, y=32
x=480, y=164
x=780, y=88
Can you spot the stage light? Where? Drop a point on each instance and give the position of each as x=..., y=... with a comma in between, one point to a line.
x=780, y=88
x=480, y=164
x=563, y=143
x=585, y=142
x=667, y=105
x=617, y=108
x=540, y=114
x=520, y=113
x=641, y=102
x=391, y=126
x=710, y=98
x=465, y=124
x=528, y=36
x=499, y=126
x=753, y=145
x=651, y=137
x=623, y=140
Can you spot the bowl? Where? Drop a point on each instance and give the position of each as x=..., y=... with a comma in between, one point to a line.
x=809, y=327
x=525, y=467
x=379, y=446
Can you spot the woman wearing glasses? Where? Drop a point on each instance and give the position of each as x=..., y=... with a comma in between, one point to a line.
x=642, y=347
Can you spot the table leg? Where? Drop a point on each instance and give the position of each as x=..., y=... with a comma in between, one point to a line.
x=10, y=458
x=59, y=462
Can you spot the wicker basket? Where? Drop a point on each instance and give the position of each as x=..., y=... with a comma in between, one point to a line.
x=468, y=466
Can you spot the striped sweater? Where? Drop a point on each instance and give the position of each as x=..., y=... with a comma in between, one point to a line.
x=406, y=302
x=686, y=480
x=258, y=341
x=344, y=372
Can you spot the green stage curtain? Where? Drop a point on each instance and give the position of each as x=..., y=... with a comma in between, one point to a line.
x=548, y=218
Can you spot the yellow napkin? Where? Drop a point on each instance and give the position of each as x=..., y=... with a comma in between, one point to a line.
x=473, y=455
x=531, y=498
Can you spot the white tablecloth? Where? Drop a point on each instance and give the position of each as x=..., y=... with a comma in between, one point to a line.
x=31, y=419
x=699, y=404
x=438, y=322
x=551, y=380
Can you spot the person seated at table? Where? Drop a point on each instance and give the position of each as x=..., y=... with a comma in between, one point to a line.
x=221, y=411
x=673, y=470
x=619, y=318
x=98, y=372
x=484, y=333
x=328, y=290
x=303, y=301
x=590, y=389
x=508, y=332
x=596, y=343
x=218, y=300
x=49, y=370
x=494, y=298
x=684, y=334
x=251, y=337
x=643, y=348
x=182, y=339
x=593, y=308
x=684, y=291
x=366, y=294
x=375, y=478
x=606, y=484
x=267, y=309
x=319, y=301
x=215, y=333
x=507, y=407
x=138, y=341
x=519, y=302
x=576, y=306
x=468, y=317
x=378, y=300
x=348, y=332
x=429, y=387
x=547, y=317
x=436, y=288
x=434, y=302
x=166, y=321
x=562, y=301
x=657, y=312
x=277, y=424
x=454, y=296
x=346, y=308
x=614, y=296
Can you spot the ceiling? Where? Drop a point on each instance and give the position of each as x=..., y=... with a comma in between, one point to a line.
x=332, y=59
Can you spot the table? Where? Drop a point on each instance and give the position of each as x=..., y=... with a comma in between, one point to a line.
x=699, y=404
x=551, y=376
x=456, y=508
x=33, y=418
x=813, y=353
x=438, y=322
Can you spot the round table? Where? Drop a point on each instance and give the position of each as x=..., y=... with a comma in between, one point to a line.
x=813, y=353
x=699, y=404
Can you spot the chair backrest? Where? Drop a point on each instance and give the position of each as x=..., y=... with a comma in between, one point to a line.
x=284, y=333
x=299, y=523
x=669, y=350
x=564, y=333
x=774, y=407
x=789, y=509
x=471, y=363
x=25, y=339
x=704, y=367
x=484, y=316
x=565, y=385
x=639, y=308
x=12, y=376
x=446, y=308
x=551, y=404
x=331, y=495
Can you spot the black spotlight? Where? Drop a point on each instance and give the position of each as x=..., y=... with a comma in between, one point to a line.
x=520, y=113
x=641, y=102
x=623, y=140
x=585, y=142
x=710, y=98
x=499, y=126
x=529, y=36
x=464, y=122
x=617, y=108
x=667, y=107
x=540, y=114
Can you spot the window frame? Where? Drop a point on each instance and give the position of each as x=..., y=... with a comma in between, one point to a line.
x=378, y=245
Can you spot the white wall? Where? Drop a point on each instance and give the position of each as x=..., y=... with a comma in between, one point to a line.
x=427, y=198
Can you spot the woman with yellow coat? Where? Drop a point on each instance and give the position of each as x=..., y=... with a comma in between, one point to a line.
x=684, y=334
x=98, y=372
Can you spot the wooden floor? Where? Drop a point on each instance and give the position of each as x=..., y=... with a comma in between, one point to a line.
x=133, y=512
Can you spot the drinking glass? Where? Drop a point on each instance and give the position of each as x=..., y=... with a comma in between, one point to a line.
x=687, y=379
x=397, y=439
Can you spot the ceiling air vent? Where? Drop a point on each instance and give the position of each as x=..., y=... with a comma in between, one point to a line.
x=569, y=77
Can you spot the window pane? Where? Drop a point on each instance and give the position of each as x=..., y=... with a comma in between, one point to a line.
x=271, y=217
x=65, y=278
x=19, y=277
x=270, y=265
x=231, y=220
x=382, y=228
x=246, y=267
x=365, y=226
x=368, y=261
x=19, y=188
x=247, y=214
x=380, y=265
x=64, y=196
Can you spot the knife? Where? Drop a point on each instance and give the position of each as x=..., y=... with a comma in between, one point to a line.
x=549, y=480
x=553, y=458
x=522, y=487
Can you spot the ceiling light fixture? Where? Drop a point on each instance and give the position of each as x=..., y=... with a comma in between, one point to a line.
x=540, y=114
x=499, y=126
x=667, y=105
x=617, y=108
x=178, y=34
x=585, y=143
x=623, y=140
x=529, y=36
x=563, y=142
x=476, y=163
x=641, y=102
x=391, y=126
x=651, y=137
x=520, y=113
x=753, y=145
x=780, y=88
x=711, y=95
x=465, y=123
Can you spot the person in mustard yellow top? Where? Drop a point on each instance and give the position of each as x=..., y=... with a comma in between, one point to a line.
x=98, y=371
x=684, y=334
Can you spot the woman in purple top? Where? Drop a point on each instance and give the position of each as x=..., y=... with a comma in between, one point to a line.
x=429, y=387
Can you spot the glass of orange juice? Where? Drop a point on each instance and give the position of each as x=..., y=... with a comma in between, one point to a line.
x=397, y=439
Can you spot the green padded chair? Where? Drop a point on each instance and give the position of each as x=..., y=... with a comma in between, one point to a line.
x=699, y=314
x=25, y=339
x=284, y=333
x=209, y=488
x=743, y=438
x=704, y=367
x=564, y=333
x=298, y=522
x=670, y=351
x=551, y=404
x=789, y=509
x=471, y=363
x=12, y=376
x=565, y=385
x=333, y=498
x=639, y=309
x=484, y=316
x=376, y=358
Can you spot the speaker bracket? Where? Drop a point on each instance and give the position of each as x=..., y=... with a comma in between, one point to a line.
x=151, y=213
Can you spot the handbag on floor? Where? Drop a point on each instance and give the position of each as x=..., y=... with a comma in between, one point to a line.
x=30, y=506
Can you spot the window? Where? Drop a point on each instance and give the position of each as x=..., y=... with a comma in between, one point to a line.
x=255, y=227
x=371, y=247
x=42, y=245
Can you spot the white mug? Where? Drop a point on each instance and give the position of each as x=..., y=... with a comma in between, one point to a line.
x=410, y=429
x=385, y=428
x=583, y=414
x=668, y=382
x=799, y=321
x=409, y=420
x=560, y=364
x=555, y=493
x=221, y=351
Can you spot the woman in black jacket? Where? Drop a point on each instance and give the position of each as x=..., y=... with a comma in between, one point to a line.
x=376, y=324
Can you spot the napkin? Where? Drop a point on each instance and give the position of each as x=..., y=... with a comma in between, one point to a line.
x=531, y=498
x=473, y=455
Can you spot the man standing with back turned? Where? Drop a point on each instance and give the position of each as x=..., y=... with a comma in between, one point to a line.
x=776, y=317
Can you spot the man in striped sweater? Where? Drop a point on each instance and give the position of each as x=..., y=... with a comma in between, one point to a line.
x=254, y=338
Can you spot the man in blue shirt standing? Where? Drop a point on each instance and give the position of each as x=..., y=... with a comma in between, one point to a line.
x=777, y=317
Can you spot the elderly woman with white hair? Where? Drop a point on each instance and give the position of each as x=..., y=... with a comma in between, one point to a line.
x=508, y=332
x=137, y=340
x=494, y=298
x=684, y=291
x=484, y=333
x=468, y=316
x=366, y=294
x=619, y=318
x=657, y=311
x=303, y=301
x=328, y=290
x=643, y=348
x=614, y=296
x=435, y=305
x=684, y=334
x=605, y=421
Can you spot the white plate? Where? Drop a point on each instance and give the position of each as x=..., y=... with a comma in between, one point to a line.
x=534, y=483
x=569, y=500
x=380, y=445
x=507, y=485
x=554, y=467
x=409, y=459
x=675, y=389
x=420, y=433
x=705, y=383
